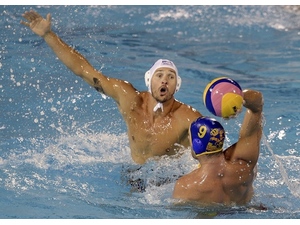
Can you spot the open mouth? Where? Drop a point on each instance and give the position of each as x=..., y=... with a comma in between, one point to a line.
x=163, y=90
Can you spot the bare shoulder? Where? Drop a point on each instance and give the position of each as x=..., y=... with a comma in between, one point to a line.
x=187, y=110
x=184, y=183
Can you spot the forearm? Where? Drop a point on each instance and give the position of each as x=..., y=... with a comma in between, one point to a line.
x=69, y=56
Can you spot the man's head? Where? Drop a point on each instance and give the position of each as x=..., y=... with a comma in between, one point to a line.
x=161, y=63
x=206, y=136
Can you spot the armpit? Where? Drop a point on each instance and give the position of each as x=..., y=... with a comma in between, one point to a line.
x=97, y=85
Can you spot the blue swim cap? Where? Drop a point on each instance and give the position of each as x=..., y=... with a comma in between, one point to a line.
x=207, y=136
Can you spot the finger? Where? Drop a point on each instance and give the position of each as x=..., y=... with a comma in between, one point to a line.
x=48, y=17
x=35, y=15
x=31, y=16
x=26, y=16
x=25, y=23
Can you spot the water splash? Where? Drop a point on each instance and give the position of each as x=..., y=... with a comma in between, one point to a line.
x=293, y=187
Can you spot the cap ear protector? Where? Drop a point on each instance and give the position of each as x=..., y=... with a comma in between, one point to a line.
x=207, y=136
x=197, y=146
x=178, y=83
x=147, y=79
x=159, y=64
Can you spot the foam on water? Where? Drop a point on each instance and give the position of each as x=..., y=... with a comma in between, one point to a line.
x=64, y=151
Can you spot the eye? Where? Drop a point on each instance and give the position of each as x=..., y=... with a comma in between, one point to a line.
x=171, y=76
x=159, y=74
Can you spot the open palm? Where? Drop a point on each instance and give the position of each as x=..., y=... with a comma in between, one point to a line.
x=37, y=23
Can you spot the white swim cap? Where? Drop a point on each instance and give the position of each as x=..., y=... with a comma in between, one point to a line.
x=160, y=64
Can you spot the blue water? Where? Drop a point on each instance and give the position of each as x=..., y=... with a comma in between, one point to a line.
x=63, y=147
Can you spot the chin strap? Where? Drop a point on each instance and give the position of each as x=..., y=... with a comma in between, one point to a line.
x=158, y=105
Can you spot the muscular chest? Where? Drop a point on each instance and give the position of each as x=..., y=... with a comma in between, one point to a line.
x=161, y=129
x=157, y=125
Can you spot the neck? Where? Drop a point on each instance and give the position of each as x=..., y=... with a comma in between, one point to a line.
x=161, y=107
x=209, y=158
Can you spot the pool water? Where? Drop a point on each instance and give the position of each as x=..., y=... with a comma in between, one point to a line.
x=63, y=147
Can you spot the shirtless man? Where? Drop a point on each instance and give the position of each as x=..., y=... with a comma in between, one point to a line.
x=157, y=123
x=224, y=177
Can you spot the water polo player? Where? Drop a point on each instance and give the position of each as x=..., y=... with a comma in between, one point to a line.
x=157, y=124
x=224, y=177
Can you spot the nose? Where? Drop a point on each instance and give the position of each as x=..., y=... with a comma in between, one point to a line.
x=164, y=80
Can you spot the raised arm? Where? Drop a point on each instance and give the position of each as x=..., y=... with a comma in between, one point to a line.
x=248, y=145
x=75, y=61
x=71, y=58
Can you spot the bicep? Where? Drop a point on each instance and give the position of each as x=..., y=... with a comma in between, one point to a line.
x=120, y=90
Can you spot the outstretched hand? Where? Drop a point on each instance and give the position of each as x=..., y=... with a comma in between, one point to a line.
x=37, y=23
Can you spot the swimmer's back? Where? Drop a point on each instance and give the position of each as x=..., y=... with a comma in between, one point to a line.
x=219, y=182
